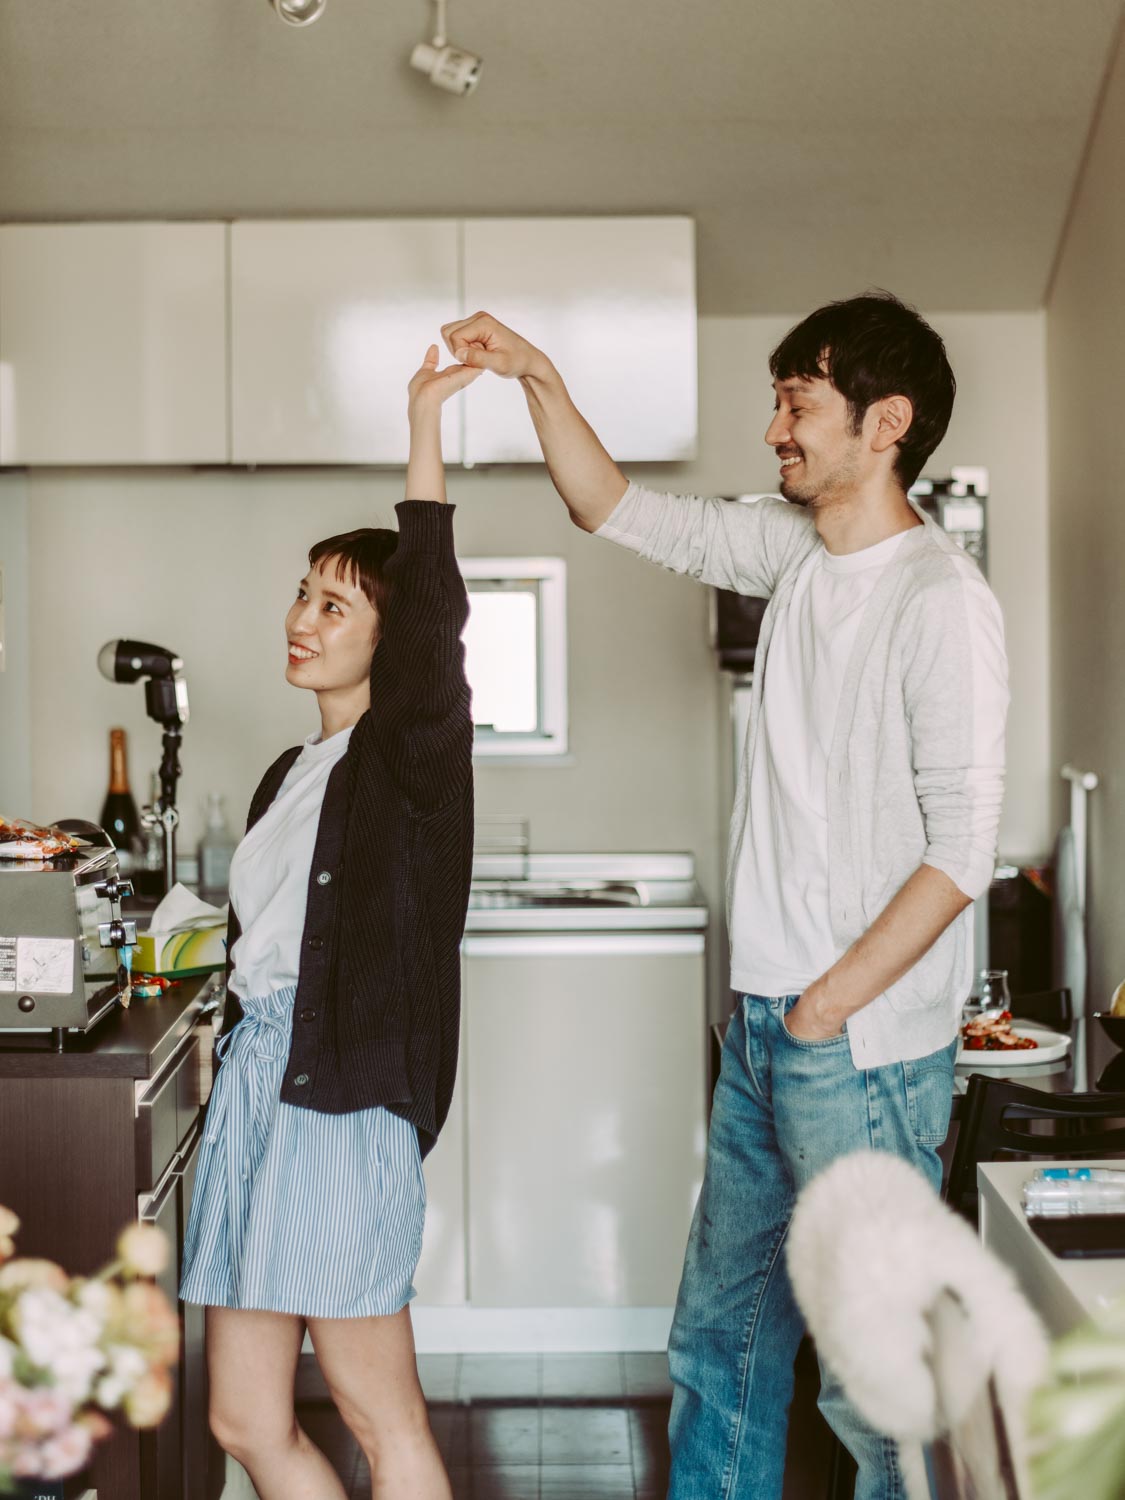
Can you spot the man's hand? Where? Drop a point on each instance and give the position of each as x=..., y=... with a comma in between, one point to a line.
x=813, y=1019
x=485, y=344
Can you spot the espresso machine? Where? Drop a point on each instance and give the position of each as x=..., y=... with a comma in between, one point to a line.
x=61, y=936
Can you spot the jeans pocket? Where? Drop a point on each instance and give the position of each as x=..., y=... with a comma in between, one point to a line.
x=801, y=1041
x=929, y=1095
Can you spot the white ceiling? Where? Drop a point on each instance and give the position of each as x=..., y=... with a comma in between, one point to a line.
x=823, y=145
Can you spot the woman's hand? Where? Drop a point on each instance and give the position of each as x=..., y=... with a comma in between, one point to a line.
x=430, y=387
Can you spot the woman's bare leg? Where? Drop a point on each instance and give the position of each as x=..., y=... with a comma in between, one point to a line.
x=372, y=1374
x=252, y=1367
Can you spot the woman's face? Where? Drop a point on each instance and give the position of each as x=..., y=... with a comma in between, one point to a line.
x=331, y=629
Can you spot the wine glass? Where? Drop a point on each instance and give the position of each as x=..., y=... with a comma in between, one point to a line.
x=994, y=993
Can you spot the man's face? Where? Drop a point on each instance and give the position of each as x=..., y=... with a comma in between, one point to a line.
x=821, y=457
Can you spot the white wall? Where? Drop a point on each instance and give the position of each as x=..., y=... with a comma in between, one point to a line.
x=1086, y=374
x=205, y=563
x=15, y=676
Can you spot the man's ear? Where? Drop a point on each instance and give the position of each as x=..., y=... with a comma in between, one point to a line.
x=894, y=416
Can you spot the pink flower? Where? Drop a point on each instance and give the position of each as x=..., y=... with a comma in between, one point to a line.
x=9, y=1408
x=66, y=1453
x=44, y=1412
x=151, y=1322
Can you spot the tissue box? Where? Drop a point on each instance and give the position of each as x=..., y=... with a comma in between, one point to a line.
x=181, y=954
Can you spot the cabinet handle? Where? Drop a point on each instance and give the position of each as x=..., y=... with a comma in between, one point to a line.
x=150, y=1089
x=154, y=1202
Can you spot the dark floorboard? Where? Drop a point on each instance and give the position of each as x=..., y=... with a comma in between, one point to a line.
x=554, y=1427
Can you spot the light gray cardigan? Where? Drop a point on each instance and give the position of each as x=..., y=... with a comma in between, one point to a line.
x=925, y=687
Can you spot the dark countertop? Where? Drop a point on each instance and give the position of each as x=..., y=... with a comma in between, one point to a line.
x=133, y=1043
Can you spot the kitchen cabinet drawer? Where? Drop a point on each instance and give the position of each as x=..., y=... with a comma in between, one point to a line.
x=612, y=301
x=167, y=1108
x=113, y=344
x=329, y=320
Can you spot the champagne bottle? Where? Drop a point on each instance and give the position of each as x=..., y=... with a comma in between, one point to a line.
x=119, y=812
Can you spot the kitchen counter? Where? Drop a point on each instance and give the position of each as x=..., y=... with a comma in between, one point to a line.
x=134, y=1043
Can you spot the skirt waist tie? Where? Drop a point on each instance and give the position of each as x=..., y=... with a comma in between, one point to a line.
x=252, y=1056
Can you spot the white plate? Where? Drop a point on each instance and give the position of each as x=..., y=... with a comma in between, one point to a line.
x=1052, y=1046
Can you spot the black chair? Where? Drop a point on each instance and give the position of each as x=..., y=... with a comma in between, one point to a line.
x=997, y=1119
x=1049, y=1007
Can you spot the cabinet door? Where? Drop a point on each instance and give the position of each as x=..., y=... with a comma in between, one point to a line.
x=585, y=1079
x=200, y=1451
x=162, y=1448
x=441, y=1275
x=612, y=301
x=113, y=344
x=329, y=320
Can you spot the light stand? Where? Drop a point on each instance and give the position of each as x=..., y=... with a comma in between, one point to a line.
x=166, y=700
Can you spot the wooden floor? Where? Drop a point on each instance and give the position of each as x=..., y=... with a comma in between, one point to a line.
x=551, y=1427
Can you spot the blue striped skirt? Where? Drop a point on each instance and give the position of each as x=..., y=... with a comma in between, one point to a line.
x=293, y=1211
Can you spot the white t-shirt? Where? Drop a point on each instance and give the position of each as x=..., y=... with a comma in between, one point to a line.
x=782, y=938
x=269, y=874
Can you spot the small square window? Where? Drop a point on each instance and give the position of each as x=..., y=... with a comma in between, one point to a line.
x=515, y=654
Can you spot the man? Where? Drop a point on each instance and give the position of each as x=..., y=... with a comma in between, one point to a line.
x=864, y=825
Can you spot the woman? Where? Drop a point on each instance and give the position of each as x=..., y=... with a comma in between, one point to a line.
x=339, y=1046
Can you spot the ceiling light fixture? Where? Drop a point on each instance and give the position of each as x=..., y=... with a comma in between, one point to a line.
x=299, y=12
x=446, y=66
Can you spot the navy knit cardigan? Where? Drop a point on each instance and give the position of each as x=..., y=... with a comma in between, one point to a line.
x=377, y=1014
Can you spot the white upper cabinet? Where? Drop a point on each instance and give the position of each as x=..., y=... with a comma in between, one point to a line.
x=612, y=303
x=329, y=320
x=113, y=344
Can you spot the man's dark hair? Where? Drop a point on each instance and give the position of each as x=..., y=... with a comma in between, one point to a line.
x=361, y=557
x=872, y=347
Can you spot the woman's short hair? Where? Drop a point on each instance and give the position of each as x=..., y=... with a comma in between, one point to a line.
x=360, y=556
x=872, y=347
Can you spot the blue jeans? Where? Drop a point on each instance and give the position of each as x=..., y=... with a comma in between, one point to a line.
x=783, y=1110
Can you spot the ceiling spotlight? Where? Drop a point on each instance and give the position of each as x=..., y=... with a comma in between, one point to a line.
x=299, y=12
x=446, y=66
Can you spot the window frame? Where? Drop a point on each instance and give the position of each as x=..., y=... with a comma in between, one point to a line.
x=551, y=738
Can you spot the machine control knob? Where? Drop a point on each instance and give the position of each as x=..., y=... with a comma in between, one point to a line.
x=26, y=1002
x=113, y=890
x=117, y=934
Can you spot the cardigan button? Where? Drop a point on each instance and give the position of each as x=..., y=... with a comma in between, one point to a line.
x=324, y=878
x=301, y=1079
x=316, y=943
x=308, y=1014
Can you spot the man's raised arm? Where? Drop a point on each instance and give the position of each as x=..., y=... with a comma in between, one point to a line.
x=585, y=476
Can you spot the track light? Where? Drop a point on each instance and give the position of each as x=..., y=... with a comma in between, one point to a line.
x=446, y=66
x=299, y=12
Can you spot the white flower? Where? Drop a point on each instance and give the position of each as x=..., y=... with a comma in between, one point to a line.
x=60, y=1339
x=126, y=1367
x=144, y=1249
x=101, y=1298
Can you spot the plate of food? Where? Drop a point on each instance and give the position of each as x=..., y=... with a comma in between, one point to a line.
x=994, y=1040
